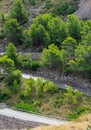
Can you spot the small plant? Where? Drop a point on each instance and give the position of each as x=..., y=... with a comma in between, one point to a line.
x=79, y=111
x=32, y=2
x=25, y=106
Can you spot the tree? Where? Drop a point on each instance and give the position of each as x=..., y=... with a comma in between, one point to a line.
x=51, y=57
x=42, y=20
x=18, y=12
x=49, y=87
x=7, y=64
x=11, y=52
x=13, y=31
x=57, y=31
x=14, y=75
x=72, y=97
x=74, y=27
x=39, y=35
x=69, y=45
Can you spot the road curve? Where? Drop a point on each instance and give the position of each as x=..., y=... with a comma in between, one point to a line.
x=30, y=117
x=60, y=85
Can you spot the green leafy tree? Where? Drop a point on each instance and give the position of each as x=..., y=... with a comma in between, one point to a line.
x=74, y=27
x=14, y=75
x=39, y=87
x=13, y=31
x=11, y=52
x=51, y=57
x=26, y=93
x=49, y=87
x=69, y=44
x=7, y=64
x=39, y=35
x=42, y=20
x=73, y=97
x=19, y=12
x=57, y=31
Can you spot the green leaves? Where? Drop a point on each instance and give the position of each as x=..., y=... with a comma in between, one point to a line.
x=18, y=12
x=51, y=57
x=13, y=31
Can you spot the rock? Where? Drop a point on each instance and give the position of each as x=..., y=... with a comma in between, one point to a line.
x=84, y=11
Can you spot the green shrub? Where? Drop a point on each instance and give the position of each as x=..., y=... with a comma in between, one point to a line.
x=50, y=87
x=31, y=82
x=77, y=112
x=5, y=94
x=14, y=75
x=51, y=57
x=18, y=12
x=1, y=34
x=15, y=86
x=35, y=65
x=2, y=17
x=36, y=103
x=13, y=31
x=25, y=106
x=62, y=9
x=32, y=2
x=26, y=93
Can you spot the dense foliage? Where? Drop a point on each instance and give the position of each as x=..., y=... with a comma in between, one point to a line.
x=18, y=12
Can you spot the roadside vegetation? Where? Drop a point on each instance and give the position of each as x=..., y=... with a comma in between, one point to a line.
x=64, y=45
x=41, y=96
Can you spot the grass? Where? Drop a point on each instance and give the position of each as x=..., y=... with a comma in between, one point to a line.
x=82, y=123
x=49, y=104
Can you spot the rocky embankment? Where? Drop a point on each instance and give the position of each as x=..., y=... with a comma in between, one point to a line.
x=84, y=11
x=13, y=123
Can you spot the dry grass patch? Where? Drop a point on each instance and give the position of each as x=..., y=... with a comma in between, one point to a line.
x=82, y=123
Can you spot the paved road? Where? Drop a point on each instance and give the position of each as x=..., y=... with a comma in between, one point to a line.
x=30, y=117
x=60, y=85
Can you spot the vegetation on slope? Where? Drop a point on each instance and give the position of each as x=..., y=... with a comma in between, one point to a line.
x=65, y=46
x=38, y=95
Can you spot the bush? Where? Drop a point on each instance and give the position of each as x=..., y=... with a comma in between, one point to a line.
x=31, y=82
x=35, y=65
x=49, y=87
x=1, y=34
x=39, y=87
x=39, y=35
x=26, y=93
x=73, y=97
x=32, y=2
x=15, y=86
x=51, y=57
x=62, y=9
x=2, y=17
x=11, y=52
x=36, y=103
x=5, y=94
x=79, y=111
x=25, y=106
x=18, y=12
x=13, y=31
x=14, y=75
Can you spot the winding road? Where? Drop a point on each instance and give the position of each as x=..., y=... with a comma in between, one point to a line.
x=30, y=117
x=60, y=85
x=85, y=91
